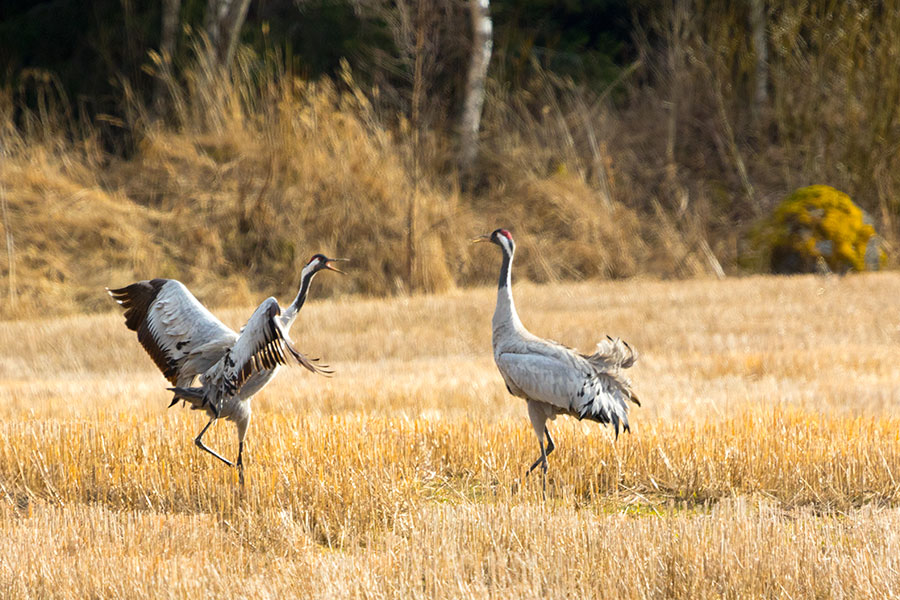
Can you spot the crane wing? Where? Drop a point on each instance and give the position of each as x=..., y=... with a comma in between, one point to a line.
x=181, y=336
x=539, y=377
x=263, y=345
x=572, y=386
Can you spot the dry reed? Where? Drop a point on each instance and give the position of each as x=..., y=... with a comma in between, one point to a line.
x=764, y=461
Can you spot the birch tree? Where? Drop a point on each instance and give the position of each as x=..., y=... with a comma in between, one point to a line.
x=470, y=119
x=223, y=22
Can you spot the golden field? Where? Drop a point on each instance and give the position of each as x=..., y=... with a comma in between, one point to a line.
x=764, y=462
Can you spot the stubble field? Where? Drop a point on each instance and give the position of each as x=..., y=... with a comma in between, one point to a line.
x=765, y=460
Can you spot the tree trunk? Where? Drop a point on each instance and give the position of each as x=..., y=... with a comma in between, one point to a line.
x=470, y=121
x=758, y=26
x=418, y=99
x=171, y=10
x=224, y=19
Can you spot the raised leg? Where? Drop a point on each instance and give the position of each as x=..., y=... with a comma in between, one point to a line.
x=202, y=446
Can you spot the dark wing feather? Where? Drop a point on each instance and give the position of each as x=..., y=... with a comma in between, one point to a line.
x=263, y=345
x=137, y=299
x=181, y=336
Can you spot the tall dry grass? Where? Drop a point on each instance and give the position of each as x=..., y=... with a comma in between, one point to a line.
x=255, y=171
x=254, y=178
x=252, y=170
x=763, y=461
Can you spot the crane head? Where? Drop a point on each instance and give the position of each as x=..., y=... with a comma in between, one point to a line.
x=501, y=237
x=319, y=262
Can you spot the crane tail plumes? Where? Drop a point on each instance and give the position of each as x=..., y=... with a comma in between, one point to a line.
x=607, y=403
x=611, y=355
x=195, y=396
x=191, y=393
x=608, y=391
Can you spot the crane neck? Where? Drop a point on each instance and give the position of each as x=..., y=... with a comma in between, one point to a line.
x=306, y=276
x=505, y=315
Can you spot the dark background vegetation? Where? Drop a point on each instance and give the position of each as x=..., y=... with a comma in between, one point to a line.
x=92, y=47
x=618, y=138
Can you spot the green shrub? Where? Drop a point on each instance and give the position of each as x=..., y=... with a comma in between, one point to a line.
x=815, y=224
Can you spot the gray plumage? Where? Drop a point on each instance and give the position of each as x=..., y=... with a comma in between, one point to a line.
x=552, y=378
x=212, y=367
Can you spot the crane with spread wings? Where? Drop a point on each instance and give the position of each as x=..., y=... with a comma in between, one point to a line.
x=210, y=366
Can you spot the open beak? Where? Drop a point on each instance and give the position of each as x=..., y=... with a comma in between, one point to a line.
x=331, y=267
x=481, y=238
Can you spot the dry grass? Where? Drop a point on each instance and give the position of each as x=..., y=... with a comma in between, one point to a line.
x=764, y=461
x=256, y=168
x=242, y=194
x=663, y=173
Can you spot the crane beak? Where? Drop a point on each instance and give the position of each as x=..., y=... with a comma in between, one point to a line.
x=331, y=267
x=481, y=238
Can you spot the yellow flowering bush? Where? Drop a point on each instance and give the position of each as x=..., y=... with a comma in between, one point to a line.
x=815, y=224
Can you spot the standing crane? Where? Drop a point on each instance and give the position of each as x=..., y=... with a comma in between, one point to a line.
x=552, y=378
x=186, y=341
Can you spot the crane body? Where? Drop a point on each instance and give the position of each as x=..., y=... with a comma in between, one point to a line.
x=211, y=367
x=552, y=378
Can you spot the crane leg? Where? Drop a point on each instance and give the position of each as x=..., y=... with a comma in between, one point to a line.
x=543, y=462
x=537, y=413
x=543, y=457
x=202, y=446
x=240, y=462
